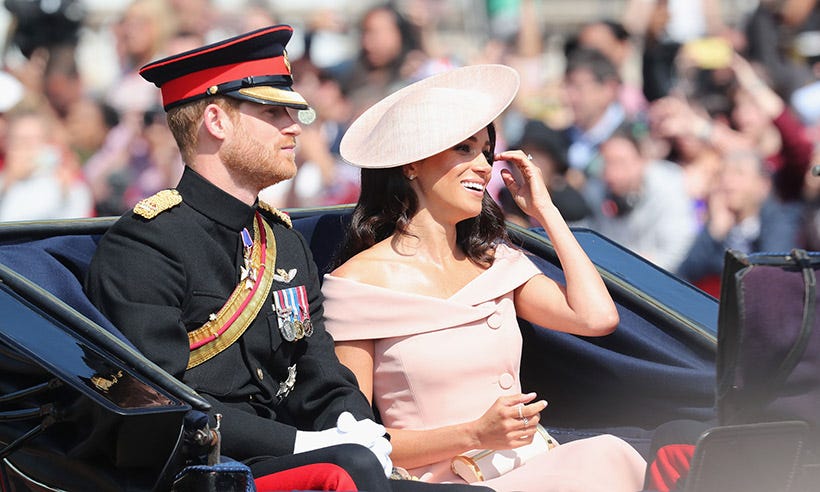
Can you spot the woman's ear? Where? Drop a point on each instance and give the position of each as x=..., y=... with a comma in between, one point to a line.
x=410, y=171
x=216, y=121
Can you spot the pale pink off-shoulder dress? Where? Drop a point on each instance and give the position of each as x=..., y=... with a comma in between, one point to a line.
x=440, y=362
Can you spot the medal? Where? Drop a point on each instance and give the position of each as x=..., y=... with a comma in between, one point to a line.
x=247, y=271
x=286, y=328
x=304, y=310
x=298, y=329
x=293, y=313
x=283, y=307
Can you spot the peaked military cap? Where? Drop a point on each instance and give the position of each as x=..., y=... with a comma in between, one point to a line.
x=252, y=66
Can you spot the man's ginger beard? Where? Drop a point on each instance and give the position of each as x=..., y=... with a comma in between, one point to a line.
x=253, y=164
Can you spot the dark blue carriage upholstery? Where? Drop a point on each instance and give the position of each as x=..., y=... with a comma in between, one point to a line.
x=58, y=265
x=637, y=378
x=626, y=383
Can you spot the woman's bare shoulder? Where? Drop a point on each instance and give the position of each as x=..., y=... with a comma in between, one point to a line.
x=371, y=266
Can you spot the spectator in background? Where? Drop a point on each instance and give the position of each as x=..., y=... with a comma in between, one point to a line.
x=742, y=216
x=700, y=161
x=806, y=99
x=665, y=26
x=771, y=31
x=613, y=41
x=592, y=85
x=765, y=119
x=390, y=53
x=806, y=48
x=134, y=162
x=142, y=34
x=41, y=51
x=62, y=85
x=41, y=178
x=11, y=93
x=642, y=203
x=196, y=18
x=760, y=120
x=88, y=123
x=548, y=149
x=810, y=226
x=683, y=20
x=323, y=178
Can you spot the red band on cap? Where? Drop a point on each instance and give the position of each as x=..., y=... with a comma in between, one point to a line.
x=197, y=83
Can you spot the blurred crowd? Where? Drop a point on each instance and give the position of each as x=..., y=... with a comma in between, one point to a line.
x=670, y=127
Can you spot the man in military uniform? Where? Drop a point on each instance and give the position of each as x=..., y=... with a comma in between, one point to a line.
x=217, y=289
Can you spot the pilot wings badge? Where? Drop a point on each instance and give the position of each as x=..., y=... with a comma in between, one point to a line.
x=283, y=275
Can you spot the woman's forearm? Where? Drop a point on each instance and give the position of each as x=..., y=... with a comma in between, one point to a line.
x=415, y=448
x=586, y=292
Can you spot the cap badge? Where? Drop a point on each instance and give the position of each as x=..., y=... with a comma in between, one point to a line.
x=306, y=116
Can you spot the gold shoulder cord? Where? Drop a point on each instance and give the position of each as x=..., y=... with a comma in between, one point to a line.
x=159, y=202
x=285, y=218
x=242, y=307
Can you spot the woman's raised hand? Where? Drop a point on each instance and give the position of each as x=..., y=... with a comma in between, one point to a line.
x=531, y=192
x=509, y=423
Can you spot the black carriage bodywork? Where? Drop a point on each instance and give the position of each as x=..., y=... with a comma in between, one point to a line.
x=113, y=421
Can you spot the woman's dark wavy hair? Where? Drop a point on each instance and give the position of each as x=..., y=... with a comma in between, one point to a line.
x=387, y=203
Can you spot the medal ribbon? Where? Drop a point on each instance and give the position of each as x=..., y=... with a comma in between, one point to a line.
x=242, y=306
x=293, y=310
x=304, y=306
x=294, y=302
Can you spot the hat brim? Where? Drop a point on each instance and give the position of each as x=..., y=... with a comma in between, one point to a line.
x=265, y=94
x=429, y=116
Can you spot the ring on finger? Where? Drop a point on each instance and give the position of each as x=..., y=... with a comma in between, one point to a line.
x=520, y=413
x=529, y=157
x=526, y=421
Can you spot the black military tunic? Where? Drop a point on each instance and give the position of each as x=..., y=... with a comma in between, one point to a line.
x=158, y=279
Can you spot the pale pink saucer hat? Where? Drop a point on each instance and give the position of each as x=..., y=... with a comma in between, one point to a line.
x=429, y=116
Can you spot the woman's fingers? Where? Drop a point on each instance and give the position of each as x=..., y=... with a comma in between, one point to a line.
x=527, y=414
x=522, y=161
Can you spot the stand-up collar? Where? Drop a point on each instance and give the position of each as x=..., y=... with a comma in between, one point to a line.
x=213, y=202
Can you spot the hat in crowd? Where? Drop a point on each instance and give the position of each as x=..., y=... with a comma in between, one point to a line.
x=429, y=116
x=252, y=66
x=554, y=143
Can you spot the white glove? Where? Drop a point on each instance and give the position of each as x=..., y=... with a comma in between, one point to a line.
x=348, y=430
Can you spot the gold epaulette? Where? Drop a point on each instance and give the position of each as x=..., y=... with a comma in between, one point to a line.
x=156, y=204
x=285, y=218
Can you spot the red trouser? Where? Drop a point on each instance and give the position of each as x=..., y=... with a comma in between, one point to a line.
x=318, y=476
x=670, y=467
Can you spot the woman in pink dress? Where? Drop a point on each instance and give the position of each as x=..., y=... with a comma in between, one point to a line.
x=424, y=306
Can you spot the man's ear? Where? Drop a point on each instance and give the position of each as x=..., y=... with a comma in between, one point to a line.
x=216, y=121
